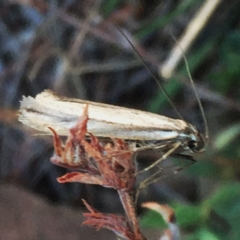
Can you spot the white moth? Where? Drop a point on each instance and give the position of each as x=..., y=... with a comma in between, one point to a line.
x=108, y=121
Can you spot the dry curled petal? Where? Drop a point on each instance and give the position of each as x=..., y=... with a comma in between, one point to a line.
x=172, y=233
x=110, y=221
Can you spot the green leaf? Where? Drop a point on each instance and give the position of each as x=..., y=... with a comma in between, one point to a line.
x=202, y=234
x=204, y=169
x=188, y=215
x=109, y=6
x=224, y=138
x=226, y=201
x=152, y=219
x=162, y=21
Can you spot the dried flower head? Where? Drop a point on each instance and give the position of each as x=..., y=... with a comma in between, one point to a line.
x=108, y=164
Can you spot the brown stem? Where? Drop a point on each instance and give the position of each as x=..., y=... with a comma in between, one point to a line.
x=129, y=208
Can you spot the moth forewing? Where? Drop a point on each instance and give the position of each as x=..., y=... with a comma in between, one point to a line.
x=107, y=121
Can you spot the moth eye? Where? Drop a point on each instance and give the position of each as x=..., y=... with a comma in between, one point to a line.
x=192, y=144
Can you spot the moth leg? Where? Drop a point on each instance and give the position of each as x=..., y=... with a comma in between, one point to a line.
x=153, y=178
x=156, y=176
x=150, y=180
x=164, y=156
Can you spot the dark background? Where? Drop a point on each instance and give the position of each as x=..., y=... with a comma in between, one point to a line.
x=73, y=48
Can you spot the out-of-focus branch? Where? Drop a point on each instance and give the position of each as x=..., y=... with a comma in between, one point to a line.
x=195, y=26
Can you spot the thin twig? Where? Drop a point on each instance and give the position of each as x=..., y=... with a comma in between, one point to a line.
x=195, y=26
x=105, y=67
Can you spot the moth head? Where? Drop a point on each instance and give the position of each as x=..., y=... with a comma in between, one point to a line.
x=196, y=143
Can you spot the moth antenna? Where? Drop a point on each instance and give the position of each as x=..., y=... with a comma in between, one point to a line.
x=151, y=73
x=206, y=134
x=198, y=98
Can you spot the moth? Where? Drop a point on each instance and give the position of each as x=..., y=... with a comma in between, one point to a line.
x=142, y=129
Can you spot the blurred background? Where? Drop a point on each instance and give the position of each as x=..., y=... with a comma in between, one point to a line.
x=74, y=48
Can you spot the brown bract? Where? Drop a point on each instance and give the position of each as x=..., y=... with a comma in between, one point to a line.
x=115, y=223
x=173, y=232
x=107, y=164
